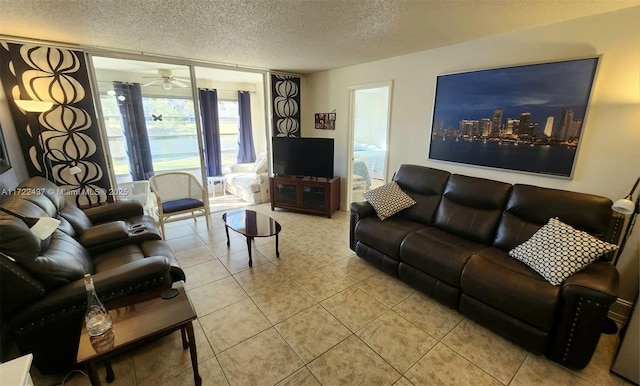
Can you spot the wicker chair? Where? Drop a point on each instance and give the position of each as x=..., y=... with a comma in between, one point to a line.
x=178, y=193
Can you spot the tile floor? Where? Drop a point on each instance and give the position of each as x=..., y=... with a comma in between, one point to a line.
x=321, y=315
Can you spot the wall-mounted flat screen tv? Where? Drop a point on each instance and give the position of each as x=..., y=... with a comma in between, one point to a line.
x=303, y=157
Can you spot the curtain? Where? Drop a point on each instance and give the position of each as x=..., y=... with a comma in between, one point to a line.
x=129, y=99
x=246, y=151
x=211, y=128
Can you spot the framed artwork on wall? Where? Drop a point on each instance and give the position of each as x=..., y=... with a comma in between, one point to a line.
x=4, y=156
x=526, y=118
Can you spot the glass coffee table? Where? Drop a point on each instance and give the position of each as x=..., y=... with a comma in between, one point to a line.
x=251, y=224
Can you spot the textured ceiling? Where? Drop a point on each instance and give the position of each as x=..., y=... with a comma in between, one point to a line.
x=288, y=35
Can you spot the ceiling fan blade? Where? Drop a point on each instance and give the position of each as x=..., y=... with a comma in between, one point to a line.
x=150, y=83
x=178, y=83
x=182, y=80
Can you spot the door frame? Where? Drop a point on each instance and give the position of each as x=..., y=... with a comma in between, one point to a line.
x=351, y=134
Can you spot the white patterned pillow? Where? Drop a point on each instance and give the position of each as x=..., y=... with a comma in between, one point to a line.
x=388, y=200
x=557, y=251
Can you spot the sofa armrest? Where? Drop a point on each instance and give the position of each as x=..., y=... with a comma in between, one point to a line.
x=139, y=276
x=585, y=298
x=359, y=210
x=241, y=168
x=114, y=211
x=50, y=327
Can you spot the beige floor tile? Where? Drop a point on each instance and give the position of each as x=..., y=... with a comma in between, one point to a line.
x=492, y=353
x=237, y=243
x=210, y=373
x=403, y=382
x=296, y=266
x=351, y=362
x=396, y=340
x=280, y=302
x=302, y=377
x=598, y=370
x=389, y=290
x=165, y=358
x=214, y=296
x=536, y=370
x=123, y=369
x=312, y=332
x=355, y=268
x=264, y=359
x=434, y=318
x=443, y=366
x=205, y=273
x=186, y=242
x=354, y=308
x=174, y=232
x=261, y=278
x=215, y=237
x=322, y=284
x=239, y=261
x=194, y=256
x=231, y=325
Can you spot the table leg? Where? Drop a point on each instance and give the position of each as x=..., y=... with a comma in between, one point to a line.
x=194, y=354
x=249, y=239
x=93, y=374
x=277, y=251
x=226, y=230
x=185, y=344
x=111, y=376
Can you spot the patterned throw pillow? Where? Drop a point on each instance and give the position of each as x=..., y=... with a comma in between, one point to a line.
x=388, y=200
x=557, y=251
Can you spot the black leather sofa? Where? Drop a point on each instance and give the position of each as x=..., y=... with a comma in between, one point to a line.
x=453, y=245
x=43, y=298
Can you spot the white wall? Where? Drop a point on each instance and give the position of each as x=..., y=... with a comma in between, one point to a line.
x=608, y=161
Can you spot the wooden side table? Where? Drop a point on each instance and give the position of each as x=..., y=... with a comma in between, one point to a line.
x=140, y=322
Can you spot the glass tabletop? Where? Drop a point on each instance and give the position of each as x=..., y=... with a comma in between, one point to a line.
x=251, y=223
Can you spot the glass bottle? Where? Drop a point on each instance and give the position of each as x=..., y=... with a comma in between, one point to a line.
x=97, y=319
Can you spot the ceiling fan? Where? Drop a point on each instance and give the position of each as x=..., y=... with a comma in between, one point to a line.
x=165, y=77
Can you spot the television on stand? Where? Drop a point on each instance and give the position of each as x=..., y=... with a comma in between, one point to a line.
x=303, y=157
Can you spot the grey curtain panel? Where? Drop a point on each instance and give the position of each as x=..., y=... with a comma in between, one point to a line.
x=135, y=129
x=246, y=149
x=211, y=131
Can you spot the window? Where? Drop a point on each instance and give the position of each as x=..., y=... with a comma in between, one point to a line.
x=172, y=134
x=229, y=121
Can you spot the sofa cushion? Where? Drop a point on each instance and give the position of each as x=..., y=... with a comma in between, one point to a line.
x=388, y=200
x=530, y=207
x=471, y=207
x=426, y=186
x=440, y=254
x=260, y=165
x=494, y=278
x=181, y=204
x=557, y=251
x=62, y=262
x=385, y=236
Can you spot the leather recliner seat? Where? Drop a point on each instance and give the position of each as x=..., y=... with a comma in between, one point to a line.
x=41, y=281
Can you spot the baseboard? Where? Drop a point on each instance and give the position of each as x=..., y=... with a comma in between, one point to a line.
x=620, y=310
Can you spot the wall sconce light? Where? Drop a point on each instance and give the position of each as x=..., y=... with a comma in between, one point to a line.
x=34, y=105
x=75, y=170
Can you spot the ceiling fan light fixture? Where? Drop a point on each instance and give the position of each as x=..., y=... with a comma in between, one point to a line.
x=166, y=85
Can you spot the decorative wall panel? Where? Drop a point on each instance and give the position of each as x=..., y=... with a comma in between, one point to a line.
x=65, y=136
x=285, y=91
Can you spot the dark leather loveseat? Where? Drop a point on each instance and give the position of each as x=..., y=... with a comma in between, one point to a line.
x=41, y=281
x=453, y=244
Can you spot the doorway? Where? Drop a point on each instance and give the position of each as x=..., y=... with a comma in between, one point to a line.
x=370, y=112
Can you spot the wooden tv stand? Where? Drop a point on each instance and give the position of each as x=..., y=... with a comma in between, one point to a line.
x=305, y=194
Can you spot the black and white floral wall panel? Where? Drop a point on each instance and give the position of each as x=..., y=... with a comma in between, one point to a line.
x=66, y=135
x=285, y=91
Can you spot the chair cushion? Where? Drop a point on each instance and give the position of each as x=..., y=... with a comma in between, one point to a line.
x=181, y=204
x=260, y=165
x=557, y=251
